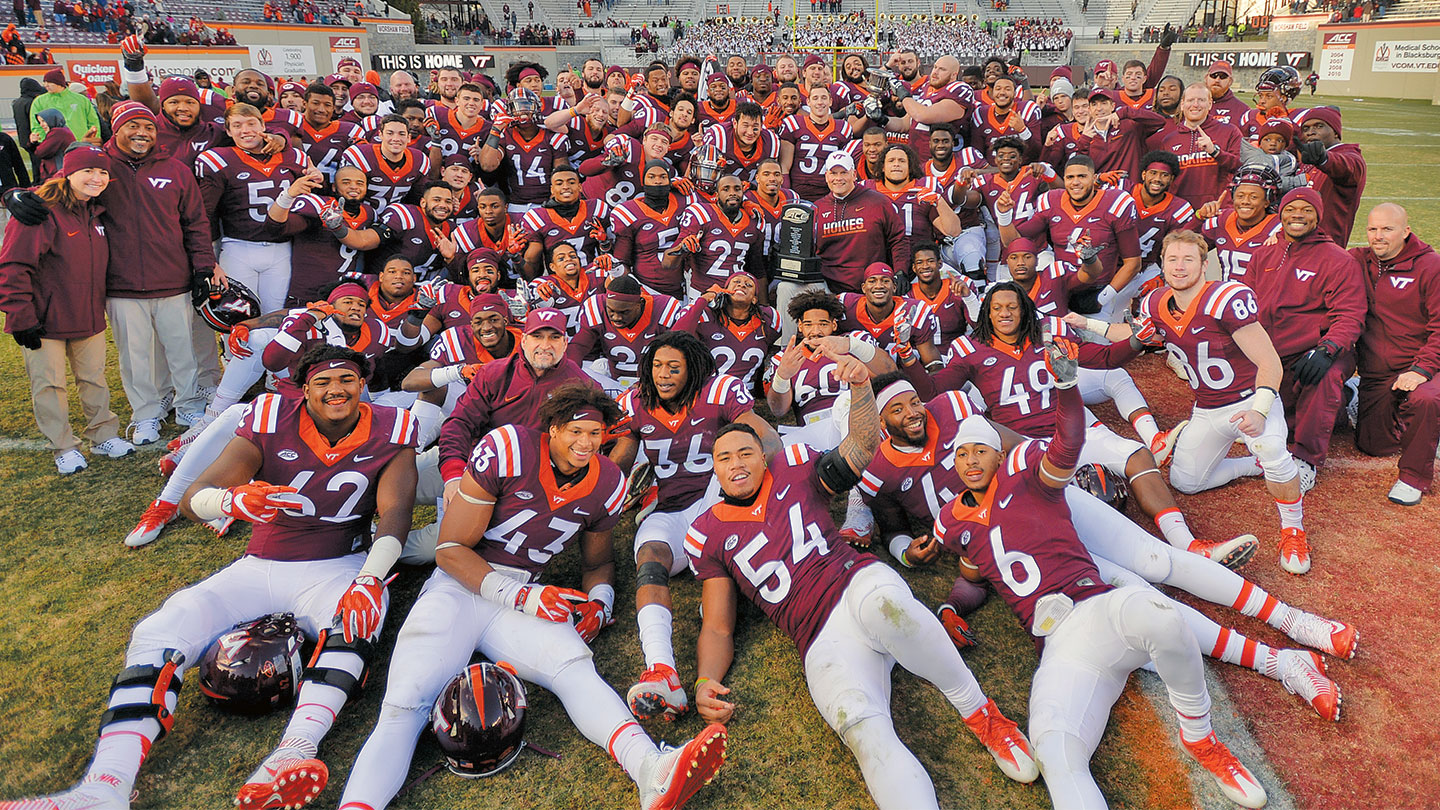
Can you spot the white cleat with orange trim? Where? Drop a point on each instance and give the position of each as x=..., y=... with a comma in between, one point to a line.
x=1005, y=742
x=85, y=796
x=1303, y=673
x=658, y=694
x=1235, y=780
x=290, y=778
x=1326, y=635
x=672, y=777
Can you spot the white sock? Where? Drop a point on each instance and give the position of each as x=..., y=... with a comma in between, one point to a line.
x=1172, y=525
x=1194, y=729
x=858, y=516
x=1145, y=426
x=631, y=748
x=1292, y=514
x=319, y=703
x=655, y=635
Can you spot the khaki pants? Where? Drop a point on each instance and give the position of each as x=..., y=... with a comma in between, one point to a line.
x=46, y=367
x=154, y=340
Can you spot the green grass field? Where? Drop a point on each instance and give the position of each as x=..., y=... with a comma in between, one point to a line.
x=72, y=592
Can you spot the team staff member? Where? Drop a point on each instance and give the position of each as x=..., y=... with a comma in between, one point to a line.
x=1399, y=352
x=1208, y=149
x=1224, y=105
x=1335, y=169
x=1312, y=304
x=854, y=228
x=52, y=291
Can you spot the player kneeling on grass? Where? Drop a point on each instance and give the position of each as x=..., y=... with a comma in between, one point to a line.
x=344, y=464
x=671, y=417
x=1213, y=327
x=1013, y=524
x=524, y=497
x=852, y=618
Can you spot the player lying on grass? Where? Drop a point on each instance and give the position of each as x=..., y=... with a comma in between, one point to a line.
x=772, y=538
x=1013, y=524
x=311, y=473
x=524, y=497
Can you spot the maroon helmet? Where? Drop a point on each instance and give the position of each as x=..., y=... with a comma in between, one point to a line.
x=479, y=720
x=706, y=167
x=1097, y=481
x=254, y=668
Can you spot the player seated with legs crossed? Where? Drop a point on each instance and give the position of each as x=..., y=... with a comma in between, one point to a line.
x=1013, y=524
x=524, y=497
x=772, y=538
x=669, y=419
x=336, y=465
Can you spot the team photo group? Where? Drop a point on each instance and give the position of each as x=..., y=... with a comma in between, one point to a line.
x=771, y=330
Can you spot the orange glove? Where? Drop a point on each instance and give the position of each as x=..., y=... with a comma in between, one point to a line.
x=590, y=616
x=320, y=309
x=469, y=370
x=690, y=244
x=957, y=628
x=515, y=239
x=259, y=502
x=548, y=602
x=683, y=186
x=360, y=608
x=238, y=341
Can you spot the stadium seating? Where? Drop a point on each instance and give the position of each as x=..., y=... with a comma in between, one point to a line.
x=1413, y=10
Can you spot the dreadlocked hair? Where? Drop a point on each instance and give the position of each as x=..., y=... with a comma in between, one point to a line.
x=1029, y=316
x=699, y=368
x=568, y=399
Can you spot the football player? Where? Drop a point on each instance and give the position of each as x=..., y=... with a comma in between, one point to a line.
x=770, y=538
x=331, y=237
x=617, y=175
x=719, y=239
x=422, y=234
x=568, y=284
x=494, y=544
x=951, y=298
x=895, y=322
x=1006, y=116
x=744, y=142
x=649, y=105
x=493, y=229
x=1213, y=329
x=322, y=137
x=238, y=184
x=566, y=217
x=1013, y=525
x=736, y=329
x=461, y=129
x=669, y=421
x=1237, y=232
x=923, y=208
x=307, y=555
x=525, y=155
x=806, y=140
x=942, y=98
x=393, y=166
x=769, y=195
x=647, y=227
x=1159, y=212
x=618, y=326
x=719, y=109
x=1024, y=181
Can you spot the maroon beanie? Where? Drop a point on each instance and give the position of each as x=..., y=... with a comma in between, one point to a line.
x=1330, y=115
x=178, y=86
x=55, y=76
x=84, y=157
x=127, y=111
x=1307, y=194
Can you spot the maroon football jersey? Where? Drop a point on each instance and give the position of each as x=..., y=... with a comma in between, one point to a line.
x=813, y=144
x=337, y=482
x=739, y=349
x=386, y=182
x=678, y=445
x=778, y=551
x=316, y=256
x=238, y=189
x=921, y=481
x=738, y=161
x=988, y=126
x=1021, y=537
x=1014, y=381
x=1052, y=288
x=1025, y=190
x=1171, y=213
x=916, y=202
x=1233, y=247
x=617, y=184
x=416, y=239
x=546, y=226
x=556, y=293
x=725, y=246
x=621, y=347
x=324, y=146
x=534, y=517
x=951, y=318
x=815, y=386
x=300, y=332
x=905, y=310
x=642, y=235
x=769, y=217
x=1199, y=337
x=283, y=122
x=456, y=138
x=528, y=163
x=925, y=94
x=582, y=144
x=1109, y=220
x=457, y=344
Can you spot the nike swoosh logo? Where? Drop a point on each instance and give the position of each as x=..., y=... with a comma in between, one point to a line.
x=582, y=513
x=780, y=496
x=1197, y=330
x=697, y=422
x=359, y=459
x=1004, y=502
x=74, y=233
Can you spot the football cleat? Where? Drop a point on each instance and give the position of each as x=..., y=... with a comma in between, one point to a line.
x=859, y=525
x=1235, y=780
x=1294, y=551
x=1163, y=445
x=1005, y=742
x=648, y=503
x=668, y=780
x=221, y=525
x=1307, y=475
x=191, y=433
x=87, y=796
x=1404, y=494
x=1326, y=635
x=1176, y=365
x=956, y=627
x=1231, y=553
x=167, y=464
x=658, y=694
x=156, y=517
x=289, y=778
x=1303, y=673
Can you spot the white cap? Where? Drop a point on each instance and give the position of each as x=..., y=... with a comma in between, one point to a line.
x=1061, y=86
x=840, y=159
x=977, y=429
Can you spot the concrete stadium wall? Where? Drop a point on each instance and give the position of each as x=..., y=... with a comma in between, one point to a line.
x=1189, y=61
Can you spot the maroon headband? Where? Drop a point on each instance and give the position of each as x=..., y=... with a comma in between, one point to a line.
x=625, y=298
x=346, y=289
x=588, y=413
x=331, y=365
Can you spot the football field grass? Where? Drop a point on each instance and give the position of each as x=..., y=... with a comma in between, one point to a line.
x=71, y=592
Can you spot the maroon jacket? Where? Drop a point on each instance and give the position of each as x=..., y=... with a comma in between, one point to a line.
x=502, y=393
x=1340, y=179
x=52, y=275
x=1202, y=177
x=1121, y=151
x=1308, y=291
x=159, y=232
x=1234, y=112
x=48, y=153
x=852, y=233
x=1402, y=329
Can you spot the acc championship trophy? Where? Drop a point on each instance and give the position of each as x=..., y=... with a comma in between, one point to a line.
x=795, y=259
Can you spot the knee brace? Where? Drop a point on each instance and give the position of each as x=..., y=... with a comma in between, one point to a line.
x=652, y=573
x=162, y=680
x=1275, y=460
x=332, y=641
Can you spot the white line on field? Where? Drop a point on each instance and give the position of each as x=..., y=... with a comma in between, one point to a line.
x=22, y=445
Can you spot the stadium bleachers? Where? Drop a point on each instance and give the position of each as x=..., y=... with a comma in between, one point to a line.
x=1414, y=10
x=178, y=11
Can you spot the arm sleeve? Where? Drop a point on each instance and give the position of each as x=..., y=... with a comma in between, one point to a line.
x=1064, y=450
x=583, y=343
x=1115, y=355
x=1343, y=166
x=689, y=320
x=1146, y=120
x=289, y=343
